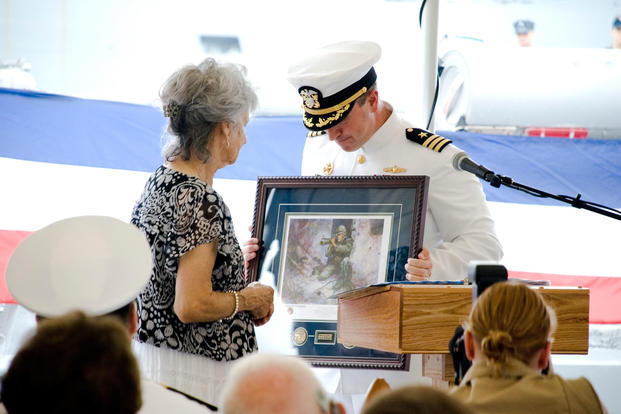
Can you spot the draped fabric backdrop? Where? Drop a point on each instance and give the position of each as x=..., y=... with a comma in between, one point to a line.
x=62, y=156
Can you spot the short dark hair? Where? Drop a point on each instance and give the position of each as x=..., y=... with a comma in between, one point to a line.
x=74, y=364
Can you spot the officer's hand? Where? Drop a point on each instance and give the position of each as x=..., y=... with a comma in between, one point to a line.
x=419, y=269
x=249, y=249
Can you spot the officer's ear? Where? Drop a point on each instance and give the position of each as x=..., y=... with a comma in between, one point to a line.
x=373, y=100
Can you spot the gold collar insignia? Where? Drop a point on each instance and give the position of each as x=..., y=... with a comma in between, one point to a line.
x=328, y=169
x=394, y=169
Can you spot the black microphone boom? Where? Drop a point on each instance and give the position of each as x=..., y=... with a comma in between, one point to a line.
x=461, y=162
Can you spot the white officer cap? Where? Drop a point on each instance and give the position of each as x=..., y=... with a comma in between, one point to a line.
x=331, y=78
x=92, y=263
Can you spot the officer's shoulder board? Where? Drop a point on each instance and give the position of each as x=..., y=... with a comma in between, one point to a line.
x=312, y=134
x=427, y=139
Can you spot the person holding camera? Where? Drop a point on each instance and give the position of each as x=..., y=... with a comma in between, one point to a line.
x=508, y=337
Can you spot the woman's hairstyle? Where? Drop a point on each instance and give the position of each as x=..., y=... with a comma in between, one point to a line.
x=198, y=98
x=418, y=399
x=74, y=364
x=510, y=320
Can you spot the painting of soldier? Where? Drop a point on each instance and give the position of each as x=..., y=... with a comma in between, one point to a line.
x=324, y=255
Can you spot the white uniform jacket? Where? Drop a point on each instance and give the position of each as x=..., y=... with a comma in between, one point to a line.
x=157, y=399
x=458, y=225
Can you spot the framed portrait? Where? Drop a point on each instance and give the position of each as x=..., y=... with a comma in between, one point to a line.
x=322, y=236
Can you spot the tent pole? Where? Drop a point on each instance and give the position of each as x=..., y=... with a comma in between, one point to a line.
x=429, y=31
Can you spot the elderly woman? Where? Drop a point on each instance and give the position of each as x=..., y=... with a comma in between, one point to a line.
x=508, y=339
x=197, y=311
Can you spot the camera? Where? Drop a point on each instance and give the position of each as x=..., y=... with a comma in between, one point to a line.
x=481, y=275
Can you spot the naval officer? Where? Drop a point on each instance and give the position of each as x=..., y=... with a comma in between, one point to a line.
x=354, y=132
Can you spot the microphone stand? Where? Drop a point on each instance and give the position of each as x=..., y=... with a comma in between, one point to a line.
x=496, y=180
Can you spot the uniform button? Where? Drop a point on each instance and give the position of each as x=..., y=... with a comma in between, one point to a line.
x=361, y=159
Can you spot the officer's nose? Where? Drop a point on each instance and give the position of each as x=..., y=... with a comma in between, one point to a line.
x=333, y=133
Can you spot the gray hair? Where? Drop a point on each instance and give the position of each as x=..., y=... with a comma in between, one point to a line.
x=196, y=99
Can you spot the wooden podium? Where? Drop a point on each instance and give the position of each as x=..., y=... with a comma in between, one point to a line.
x=421, y=319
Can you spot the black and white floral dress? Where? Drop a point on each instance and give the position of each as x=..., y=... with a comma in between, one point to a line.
x=178, y=212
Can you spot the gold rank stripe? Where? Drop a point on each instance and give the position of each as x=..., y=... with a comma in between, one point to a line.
x=337, y=106
x=437, y=146
x=435, y=142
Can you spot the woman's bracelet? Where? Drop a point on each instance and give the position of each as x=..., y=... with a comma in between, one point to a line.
x=236, y=305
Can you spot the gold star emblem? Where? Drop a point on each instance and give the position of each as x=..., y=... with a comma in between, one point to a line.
x=328, y=169
x=361, y=159
x=394, y=169
x=423, y=135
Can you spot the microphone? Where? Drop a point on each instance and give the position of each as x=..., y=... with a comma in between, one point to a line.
x=461, y=162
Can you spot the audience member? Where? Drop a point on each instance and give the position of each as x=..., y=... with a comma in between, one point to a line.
x=508, y=338
x=525, y=32
x=74, y=364
x=198, y=311
x=415, y=400
x=275, y=384
x=95, y=264
x=615, y=32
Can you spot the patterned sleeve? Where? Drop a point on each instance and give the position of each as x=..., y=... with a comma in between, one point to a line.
x=197, y=217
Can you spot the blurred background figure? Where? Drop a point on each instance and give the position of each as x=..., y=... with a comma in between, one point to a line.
x=615, y=32
x=417, y=399
x=74, y=364
x=525, y=32
x=265, y=383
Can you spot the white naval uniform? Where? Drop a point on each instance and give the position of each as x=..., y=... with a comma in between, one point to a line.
x=157, y=399
x=458, y=225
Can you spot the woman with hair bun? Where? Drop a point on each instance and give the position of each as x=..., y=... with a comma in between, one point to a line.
x=197, y=313
x=508, y=337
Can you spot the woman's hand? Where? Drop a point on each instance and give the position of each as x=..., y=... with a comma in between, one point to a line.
x=258, y=299
x=265, y=319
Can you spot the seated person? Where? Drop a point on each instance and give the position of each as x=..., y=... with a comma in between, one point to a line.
x=417, y=399
x=264, y=383
x=74, y=364
x=508, y=337
x=98, y=265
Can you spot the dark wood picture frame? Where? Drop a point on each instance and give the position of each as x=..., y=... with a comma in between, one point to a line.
x=295, y=218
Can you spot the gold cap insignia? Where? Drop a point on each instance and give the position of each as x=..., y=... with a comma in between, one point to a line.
x=394, y=169
x=310, y=98
x=328, y=169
